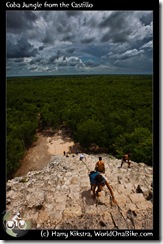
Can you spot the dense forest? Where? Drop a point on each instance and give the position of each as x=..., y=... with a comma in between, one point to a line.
x=111, y=111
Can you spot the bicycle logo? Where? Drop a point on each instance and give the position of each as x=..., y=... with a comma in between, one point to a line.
x=16, y=221
x=14, y=225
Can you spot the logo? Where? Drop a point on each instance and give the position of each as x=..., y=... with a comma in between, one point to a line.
x=15, y=226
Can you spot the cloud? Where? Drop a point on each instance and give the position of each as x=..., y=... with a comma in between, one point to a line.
x=20, y=48
x=148, y=45
x=19, y=21
x=126, y=55
x=79, y=41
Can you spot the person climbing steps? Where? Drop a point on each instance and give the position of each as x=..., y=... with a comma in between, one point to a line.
x=125, y=159
x=98, y=181
x=100, y=166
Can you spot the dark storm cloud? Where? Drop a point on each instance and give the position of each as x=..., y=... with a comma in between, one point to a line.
x=87, y=40
x=56, y=56
x=118, y=37
x=114, y=20
x=19, y=21
x=122, y=26
x=118, y=28
x=146, y=19
x=35, y=61
x=20, y=48
x=48, y=39
x=91, y=63
x=33, y=68
x=70, y=50
x=19, y=60
x=41, y=47
x=73, y=13
x=80, y=41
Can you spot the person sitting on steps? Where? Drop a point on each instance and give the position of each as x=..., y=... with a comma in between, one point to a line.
x=100, y=166
x=125, y=159
x=98, y=181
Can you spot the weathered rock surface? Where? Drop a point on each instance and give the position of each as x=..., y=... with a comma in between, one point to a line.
x=59, y=196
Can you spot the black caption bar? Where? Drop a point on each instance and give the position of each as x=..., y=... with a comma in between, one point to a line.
x=86, y=235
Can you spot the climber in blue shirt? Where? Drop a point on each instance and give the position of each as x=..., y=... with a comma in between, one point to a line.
x=97, y=180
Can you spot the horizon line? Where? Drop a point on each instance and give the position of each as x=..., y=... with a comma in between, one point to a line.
x=10, y=76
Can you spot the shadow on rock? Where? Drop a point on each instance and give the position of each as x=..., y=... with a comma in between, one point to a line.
x=87, y=197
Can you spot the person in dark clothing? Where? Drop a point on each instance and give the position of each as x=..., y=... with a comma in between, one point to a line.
x=98, y=181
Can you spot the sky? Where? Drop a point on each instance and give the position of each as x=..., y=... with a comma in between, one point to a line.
x=79, y=42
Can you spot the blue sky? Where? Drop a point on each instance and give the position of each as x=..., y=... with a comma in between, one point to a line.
x=79, y=42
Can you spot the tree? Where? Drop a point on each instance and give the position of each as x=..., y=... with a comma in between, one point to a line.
x=89, y=132
x=15, y=151
x=138, y=144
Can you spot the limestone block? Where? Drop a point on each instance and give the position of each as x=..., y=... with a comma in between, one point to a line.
x=64, y=187
x=142, y=189
x=68, y=174
x=49, y=206
x=74, y=180
x=56, y=216
x=120, y=222
x=12, y=194
x=144, y=205
x=141, y=165
x=33, y=218
x=72, y=211
x=90, y=209
x=84, y=182
x=35, y=200
x=108, y=221
x=60, y=198
x=120, y=188
x=74, y=195
x=137, y=197
x=121, y=199
x=129, y=187
x=59, y=207
x=43, y=216
x=131, y=206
